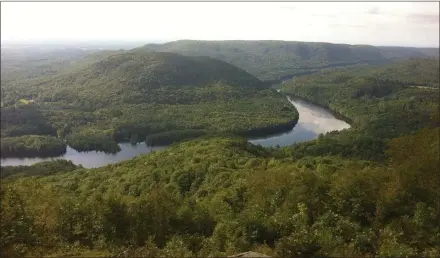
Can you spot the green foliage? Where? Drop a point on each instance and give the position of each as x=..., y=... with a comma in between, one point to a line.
x=278, y=60
x=132, y=95
x=172, y=136
x=32, y=146
x=92, y=139
x=40, y=169
x=216, y=196
x=219, y=196
x=381, y=103
x=131, y=77
x=26, y=62
x=19, y=120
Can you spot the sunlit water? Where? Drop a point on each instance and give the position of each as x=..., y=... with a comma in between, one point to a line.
x=313, y=120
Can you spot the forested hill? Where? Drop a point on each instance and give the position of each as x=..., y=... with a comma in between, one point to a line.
x=382, y=102
x=119, y=95
x=275, y=60
x=27, y=62
x=129, y=77
x=220, y=196
x=371, y=190
x=411, y=72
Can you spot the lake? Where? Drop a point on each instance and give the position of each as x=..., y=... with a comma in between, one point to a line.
x=313, y=120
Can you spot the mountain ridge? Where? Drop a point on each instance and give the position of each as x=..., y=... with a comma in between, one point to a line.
x=139, y=95
x=273, y=60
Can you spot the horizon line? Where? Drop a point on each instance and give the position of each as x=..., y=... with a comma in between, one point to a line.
x=165, y=41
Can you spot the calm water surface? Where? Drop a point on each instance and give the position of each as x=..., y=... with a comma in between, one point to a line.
x=90, y=159
x=313, y=120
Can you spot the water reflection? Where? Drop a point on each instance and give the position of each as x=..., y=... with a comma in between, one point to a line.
x=313, y=120
x=90, y=159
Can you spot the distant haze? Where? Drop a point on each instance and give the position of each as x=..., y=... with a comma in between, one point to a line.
x=374, y=23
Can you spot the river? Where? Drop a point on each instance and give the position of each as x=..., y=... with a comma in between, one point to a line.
x=313, y=120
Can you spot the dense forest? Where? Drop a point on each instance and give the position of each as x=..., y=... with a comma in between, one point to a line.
x=29, y=62
x=381, y=103
x=26, y=61
x=267, y=59
x=129, y=95
x=367, y=191
x=272, y=60
x=44, y=168
x=219, y=196
x=32, y=146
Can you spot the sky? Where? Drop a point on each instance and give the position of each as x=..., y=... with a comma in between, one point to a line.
x=372, y=23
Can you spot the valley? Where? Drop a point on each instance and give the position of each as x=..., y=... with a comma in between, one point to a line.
x=273, y=60
x=141, y=96
x=340, y=161
x=312, y=122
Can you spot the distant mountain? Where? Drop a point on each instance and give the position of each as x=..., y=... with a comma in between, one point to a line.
x=26, y=62
x=275, y=60
x=133, y=76
x=411, y=72
x=30, y=61
x=410, y=52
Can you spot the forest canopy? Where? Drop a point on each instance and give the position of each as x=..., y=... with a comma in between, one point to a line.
x=381, y=103
x=371, y=190
x=129, y=95
x=272, y=60
x=220, y=196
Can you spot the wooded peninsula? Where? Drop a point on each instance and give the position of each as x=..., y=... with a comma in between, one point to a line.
x=367, y=191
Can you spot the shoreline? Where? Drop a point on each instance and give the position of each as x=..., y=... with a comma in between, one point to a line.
x=250, y=135
x=335, y=113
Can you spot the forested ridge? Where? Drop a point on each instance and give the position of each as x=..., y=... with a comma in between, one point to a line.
x=371, y=190
x=21, y=62
x=29, y=62
x=381, y=103
x=267, y=59
x=273, y=60
x=219, y=196
x=129, y=95
x=367, y=191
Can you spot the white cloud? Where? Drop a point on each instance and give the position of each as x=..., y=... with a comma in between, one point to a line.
x=375, y=23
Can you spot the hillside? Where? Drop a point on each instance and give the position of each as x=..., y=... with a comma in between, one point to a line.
x=371, y=190
x=25, y=62
x=118, y=75
x=220, y=196
x=129, y=95
x=276, y=60
x=411, y=72
x=382, y=102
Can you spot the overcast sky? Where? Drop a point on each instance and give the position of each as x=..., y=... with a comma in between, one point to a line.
x=374, y=23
